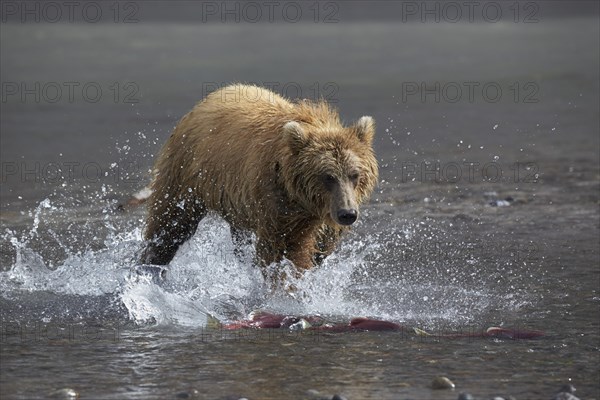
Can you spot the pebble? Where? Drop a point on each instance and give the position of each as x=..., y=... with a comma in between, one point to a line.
x=568, y=388
x=316, y=395
x=66, y=393
x=565, y=396
x=191, y=394
x=500, y=203
x=566, y=393
x=465, y=396
x=338, y=397
x=441, y=382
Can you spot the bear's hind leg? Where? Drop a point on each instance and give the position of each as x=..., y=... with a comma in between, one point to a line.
x=170, y=224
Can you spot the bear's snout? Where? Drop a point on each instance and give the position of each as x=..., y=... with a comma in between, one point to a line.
x=347, y=217
x=344, y=207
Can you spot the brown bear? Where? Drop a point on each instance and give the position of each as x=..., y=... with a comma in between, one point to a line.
x=287, y=171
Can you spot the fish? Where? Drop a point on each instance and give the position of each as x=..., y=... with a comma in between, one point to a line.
x=265, y=320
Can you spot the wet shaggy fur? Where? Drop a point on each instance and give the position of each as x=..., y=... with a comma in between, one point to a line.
x=277, y=168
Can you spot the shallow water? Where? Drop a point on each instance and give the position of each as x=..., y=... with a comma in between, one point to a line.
x=90, y=324
x=429, y=251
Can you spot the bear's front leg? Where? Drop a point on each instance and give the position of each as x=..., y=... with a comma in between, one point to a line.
x=301, y=254
x=299, y=251
x=327, y=240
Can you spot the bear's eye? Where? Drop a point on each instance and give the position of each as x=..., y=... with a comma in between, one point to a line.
x=329, y=181
x=354, y=177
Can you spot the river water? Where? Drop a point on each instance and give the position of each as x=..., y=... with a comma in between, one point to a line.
x=486, y=214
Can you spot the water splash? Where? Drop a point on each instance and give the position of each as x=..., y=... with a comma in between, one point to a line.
x=389, y=274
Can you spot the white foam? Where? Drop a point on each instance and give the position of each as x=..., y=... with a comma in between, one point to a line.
x=364, y=277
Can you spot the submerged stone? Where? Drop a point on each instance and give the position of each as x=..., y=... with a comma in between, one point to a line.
x=441, y=382
x=338, y=397
x=567, y=388
x=565, y=396
x=66, y=393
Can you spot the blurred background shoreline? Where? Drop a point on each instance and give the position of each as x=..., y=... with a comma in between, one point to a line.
x=91, y=103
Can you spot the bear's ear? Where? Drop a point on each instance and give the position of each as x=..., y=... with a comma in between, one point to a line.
x=365, y=129
x=295, y=135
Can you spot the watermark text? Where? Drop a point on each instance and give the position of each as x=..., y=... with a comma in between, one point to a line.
x=469, y=91
x=69, y=171
x=69, y=92
x=69, y=11
x=470, y=11
x=270, y=11
x=469, y=172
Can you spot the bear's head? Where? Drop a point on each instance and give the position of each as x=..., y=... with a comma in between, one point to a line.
x=330, y=169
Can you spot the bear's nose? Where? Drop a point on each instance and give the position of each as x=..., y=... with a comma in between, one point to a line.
x=347, y=217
